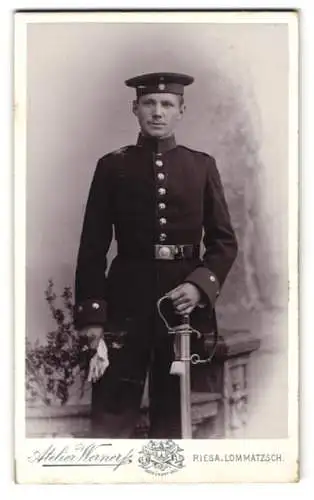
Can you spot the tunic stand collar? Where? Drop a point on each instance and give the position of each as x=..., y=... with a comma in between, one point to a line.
x=156, y=145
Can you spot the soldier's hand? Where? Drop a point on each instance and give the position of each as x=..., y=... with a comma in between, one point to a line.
x=94, y=334
x=185, y=297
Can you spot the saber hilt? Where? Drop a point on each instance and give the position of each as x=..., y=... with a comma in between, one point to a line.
x=180, y=350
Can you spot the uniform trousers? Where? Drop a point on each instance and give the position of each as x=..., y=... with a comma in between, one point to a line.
x=118, y=417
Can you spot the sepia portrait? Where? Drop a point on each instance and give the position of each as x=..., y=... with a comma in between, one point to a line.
x=156, y=240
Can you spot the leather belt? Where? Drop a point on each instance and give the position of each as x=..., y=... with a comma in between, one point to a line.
x=162, y=252
x=176, y=252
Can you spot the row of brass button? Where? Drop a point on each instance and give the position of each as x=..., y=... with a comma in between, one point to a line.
x=161, y=205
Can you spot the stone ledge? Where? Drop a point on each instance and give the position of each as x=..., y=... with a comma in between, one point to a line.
x=54, y=412
x=199, y=398
x=234, y=343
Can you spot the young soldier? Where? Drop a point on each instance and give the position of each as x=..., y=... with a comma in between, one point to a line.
x=160, y=198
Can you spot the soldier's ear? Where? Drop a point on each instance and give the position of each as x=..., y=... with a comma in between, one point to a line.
x=135, y=107
x=182, y=110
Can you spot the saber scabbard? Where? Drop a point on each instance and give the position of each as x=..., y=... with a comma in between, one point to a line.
x=185, y=381
x=183, y=354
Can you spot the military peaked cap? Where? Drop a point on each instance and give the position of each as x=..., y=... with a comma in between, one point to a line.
x=166, y=83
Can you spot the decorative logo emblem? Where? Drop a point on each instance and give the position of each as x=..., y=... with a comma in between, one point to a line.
x=161, y=457
x=161, y=86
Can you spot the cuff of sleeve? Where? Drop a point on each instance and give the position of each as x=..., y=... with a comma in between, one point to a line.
x=90, y=312
x=207, y=282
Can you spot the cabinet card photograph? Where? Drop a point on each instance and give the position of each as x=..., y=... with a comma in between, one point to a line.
x=156, y=246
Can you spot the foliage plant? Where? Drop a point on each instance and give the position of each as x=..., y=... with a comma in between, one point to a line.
x=53, y=367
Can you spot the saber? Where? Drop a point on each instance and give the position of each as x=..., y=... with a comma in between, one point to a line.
x=183, y=358
x=180, y=327
x=182, y=368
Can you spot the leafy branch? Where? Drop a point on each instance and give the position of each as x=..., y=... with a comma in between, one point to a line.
x=53, y=367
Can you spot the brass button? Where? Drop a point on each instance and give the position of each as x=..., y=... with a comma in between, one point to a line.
x=161, y=206
x=159, y=163
x=80, y=308
x=162, y=221
x=95, y=305
x=212, y=278
x=162, y=237
x=161, y=191
x=161, y=176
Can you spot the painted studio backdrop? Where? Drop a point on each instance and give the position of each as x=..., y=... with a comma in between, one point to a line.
x=78, y=109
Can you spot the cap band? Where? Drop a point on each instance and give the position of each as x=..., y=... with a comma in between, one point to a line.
x=160, y=88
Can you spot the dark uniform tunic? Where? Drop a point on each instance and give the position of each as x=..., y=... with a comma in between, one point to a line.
x=154, y=192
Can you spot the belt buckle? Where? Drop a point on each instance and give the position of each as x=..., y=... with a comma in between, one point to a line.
x=179, y=252
x=164, y=252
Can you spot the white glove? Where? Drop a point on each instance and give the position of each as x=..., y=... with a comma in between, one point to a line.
x=99, y=362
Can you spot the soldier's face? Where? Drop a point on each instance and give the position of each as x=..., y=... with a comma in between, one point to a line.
x=158, y=114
